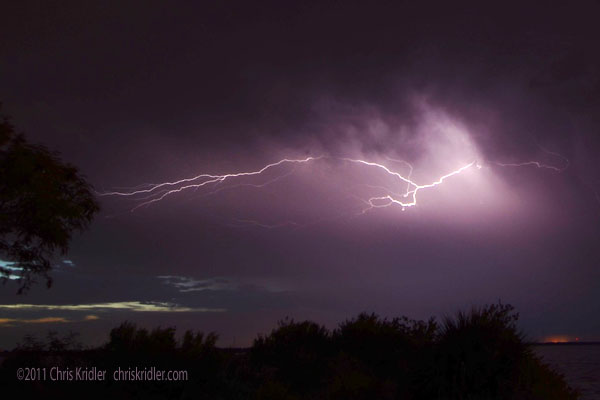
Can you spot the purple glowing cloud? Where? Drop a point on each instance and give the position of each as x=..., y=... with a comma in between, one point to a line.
x=442, y=153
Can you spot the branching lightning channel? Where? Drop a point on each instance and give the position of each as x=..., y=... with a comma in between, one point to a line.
x=153, y=193
x=531, y=163
x=538, y=164
x=411, y=193
x=186, y=183
x=404, y=194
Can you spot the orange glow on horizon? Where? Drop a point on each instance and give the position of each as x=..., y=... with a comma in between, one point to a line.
x=557, y=339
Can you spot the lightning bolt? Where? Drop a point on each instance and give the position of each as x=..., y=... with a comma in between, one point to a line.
x=149, y=193
x=411, y=194
x=152, y=193
x=533, y=163
x=154, y=196
x=410, y=168
x=246, y=222
x=538, y=164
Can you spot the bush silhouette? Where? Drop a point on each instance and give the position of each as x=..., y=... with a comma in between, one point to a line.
x=296, y=354
x=478, y=354
x=197, y=344
x=482, y=355
x=385, y=346
x=128, y=338
x=390, y=352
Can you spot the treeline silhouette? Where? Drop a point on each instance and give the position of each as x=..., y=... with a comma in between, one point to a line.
x=479, y=354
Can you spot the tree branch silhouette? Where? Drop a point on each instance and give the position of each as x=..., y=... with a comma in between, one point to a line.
x=43, y=201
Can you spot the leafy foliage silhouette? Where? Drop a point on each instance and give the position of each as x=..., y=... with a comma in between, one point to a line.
x=478, y=354
x=42, y=202
x=295, y=355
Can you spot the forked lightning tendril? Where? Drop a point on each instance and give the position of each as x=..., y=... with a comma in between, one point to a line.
x=148, y=194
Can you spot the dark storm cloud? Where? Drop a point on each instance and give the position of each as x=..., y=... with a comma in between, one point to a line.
x=217, y=75
x=141, y=92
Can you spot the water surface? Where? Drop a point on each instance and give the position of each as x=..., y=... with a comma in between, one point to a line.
x=579, y=363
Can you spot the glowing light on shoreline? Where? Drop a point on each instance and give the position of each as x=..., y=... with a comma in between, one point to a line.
x=557, y=339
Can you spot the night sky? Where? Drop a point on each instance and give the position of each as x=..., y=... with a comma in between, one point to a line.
x=139, y=93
